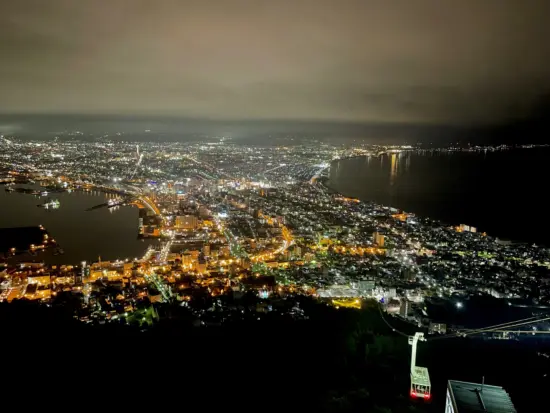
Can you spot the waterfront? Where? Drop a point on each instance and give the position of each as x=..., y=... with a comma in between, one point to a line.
x=83, y=235
x=497, y=192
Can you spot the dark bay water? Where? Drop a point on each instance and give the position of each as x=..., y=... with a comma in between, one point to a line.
x=83, y=235
x=503, y=193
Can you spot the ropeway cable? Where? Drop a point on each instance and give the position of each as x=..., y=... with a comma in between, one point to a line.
x=390, y=326
x=516, y=324
x=488, y=329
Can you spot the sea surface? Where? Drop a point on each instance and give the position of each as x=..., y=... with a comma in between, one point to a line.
x=502, y=193
x=83, y=235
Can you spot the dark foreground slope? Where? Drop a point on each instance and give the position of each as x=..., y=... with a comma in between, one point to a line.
x=336, y=361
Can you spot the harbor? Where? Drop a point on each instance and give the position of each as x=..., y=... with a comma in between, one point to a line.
x=25, y=240
x=110, y=232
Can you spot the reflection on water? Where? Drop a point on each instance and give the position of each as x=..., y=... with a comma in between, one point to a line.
x=393, y=168
x=83, y=235
x=407, y=161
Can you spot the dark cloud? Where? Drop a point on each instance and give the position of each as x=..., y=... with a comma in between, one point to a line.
x=360, y=60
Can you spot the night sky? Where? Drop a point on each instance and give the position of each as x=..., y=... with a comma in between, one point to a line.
x=375, y=61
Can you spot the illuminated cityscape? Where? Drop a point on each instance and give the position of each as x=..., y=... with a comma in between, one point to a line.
x=231, y=218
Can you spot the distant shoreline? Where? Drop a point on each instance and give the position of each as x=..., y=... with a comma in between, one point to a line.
x=329, y=185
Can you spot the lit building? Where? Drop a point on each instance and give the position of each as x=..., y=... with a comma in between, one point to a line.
x=39, y=278
x=408, y=274
x=405, y=308
x=378, y=239
x=393, y=307
x=187, y=222
x=338, y=291
x=295, y=251
x=466, y=228
x=365, y=288
x=37, y=292
x=440, y=328
x=186, y=259
x=415, y=296
x=84, y=273
x=473, y=397
x=128, y=267
x=200, y=266
x=140, y=225
x=386, y=293
x=204, y=212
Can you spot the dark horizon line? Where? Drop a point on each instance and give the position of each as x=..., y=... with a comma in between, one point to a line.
x=167, y=117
